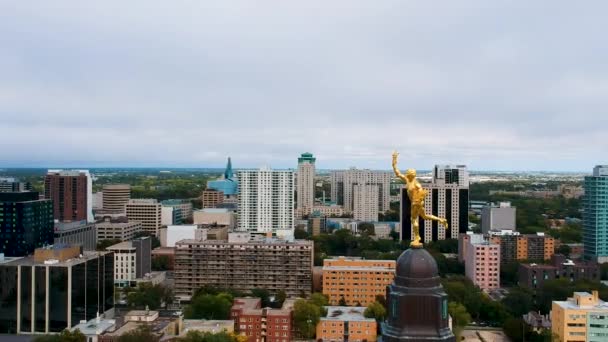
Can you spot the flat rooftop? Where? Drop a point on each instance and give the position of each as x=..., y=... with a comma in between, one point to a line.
x=213, y=326
x=346, y=314
x=265, y=241
x=29, y=260
x=95, y=327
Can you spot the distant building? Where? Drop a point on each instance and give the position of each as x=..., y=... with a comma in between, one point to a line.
x=595, y=215
x=163, y=327
x=12, y=185
x=515, y=246
x=58, y=287
x=266, y=200
x=184, y=206
x=343, y=187
x=228, y=185
x=243, y=264
x=332, y=210
x=76, y=233
x=212, y=198
x=26, y=223
x=382, y=230
x=117, y=229
x=584, y=317
x=132, y=260
x=498, y=217
x=175, y=233
x=347, y=323
x=537, y=321
x=116, y=196
x=317, y=225
x=482, y=262
x=447, y=197
x=357, y=281
x=305, y=184
x=215, y=216
x=146, y=211
x=170, y=216
x=535, y=275
x=71, y=193
x=93, y=328
x=365, y=202
x=262, y=324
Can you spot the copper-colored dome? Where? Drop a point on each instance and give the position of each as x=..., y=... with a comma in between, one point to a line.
x=417, y=268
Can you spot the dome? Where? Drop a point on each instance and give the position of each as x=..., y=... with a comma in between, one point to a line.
x=417, y=268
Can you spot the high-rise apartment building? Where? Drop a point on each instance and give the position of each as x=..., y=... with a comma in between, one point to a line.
x=357, y=281
x=132, y=260
x=243, y=264
x=266, y=200
x=482, y=262
x=447, y=197
x=595, y=215
x=583, y=317
x=54, y=289
x=26, y=223
x=147, y=211
x=71, y=193
x=343, y=187
x=115, y=197
x=515, y=246
x=365, y=202
x=498, y=217
x=305, y=184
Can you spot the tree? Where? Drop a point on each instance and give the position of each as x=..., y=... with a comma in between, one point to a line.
x=263, y=294
x=103, y=244
x=160, y=263
x=300, y=234
x=152, y=296
x=375, y=310
x=319, y=299
x=279, y=299
x=519, y=301
x=306, y=316
x=197, y=336
x=208, y=306
x=460, y=316
x=142, y=333
x=394, y=235
x=366, y=228
x=342, y=301
x=64, y=336
x=564, y=250
x=516, y=328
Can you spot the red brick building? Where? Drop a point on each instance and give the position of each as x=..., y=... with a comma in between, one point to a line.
x=262, y=324
x=69, y=191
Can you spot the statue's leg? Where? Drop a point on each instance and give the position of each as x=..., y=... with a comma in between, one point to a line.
x=416, y=227
x=442, y=221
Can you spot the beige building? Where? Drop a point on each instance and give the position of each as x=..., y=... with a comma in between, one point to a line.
x=365, y=202
x=346, y=323
x=212, y=198
x=342, y=187
x=329, y=210
x=115, y=197
x=356, y=280
x=584, y=318
x=146, y=211
x=212, y=216
x=305, y=184
x=243, y=264
x=117, y=229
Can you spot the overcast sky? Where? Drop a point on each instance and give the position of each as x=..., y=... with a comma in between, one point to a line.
x=496, y=85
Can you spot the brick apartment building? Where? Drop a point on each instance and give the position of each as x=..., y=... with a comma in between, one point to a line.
x=262, y=324
x=534, y=275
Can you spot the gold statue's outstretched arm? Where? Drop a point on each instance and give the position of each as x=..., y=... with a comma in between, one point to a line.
x=396, y=169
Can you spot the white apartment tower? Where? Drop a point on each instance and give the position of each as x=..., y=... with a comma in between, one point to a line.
x=343, y=185
x=305, y=184
x=266, y=200
x=365, y=202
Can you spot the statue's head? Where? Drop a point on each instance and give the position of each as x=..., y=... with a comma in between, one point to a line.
x=410, y=174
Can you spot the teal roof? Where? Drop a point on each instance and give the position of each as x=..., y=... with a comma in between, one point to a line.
x=228, y=174
x=307, y=156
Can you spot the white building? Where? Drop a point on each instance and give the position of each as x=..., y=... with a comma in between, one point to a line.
x=266, y=200
x=173, y=234
x=343, y=182
x=132, y=260
x=365, y=202
x=146, y=211
x=305, y=184
x=167, y=215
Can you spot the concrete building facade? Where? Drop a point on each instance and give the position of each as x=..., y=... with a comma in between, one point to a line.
x=146, y=211
x=72, y=194
x=80, y=233
x=347, y=323
x=357, y=281
x=515, y=246
x=305, y=184
x=595, y=215
x=132, y=260
x=343, y=183
x=482, y=262
x=498, y=217
x=116, y=196
x=583, y=317
x=212, y=198
x=365, y=202
x=117, y=229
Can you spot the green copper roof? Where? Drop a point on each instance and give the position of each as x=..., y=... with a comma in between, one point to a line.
x=307, y=156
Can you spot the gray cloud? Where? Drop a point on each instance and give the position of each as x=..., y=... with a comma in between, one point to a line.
x=496, y=85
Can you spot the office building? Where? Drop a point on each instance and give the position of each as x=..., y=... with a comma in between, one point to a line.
x=305, y=184
x=347, y=323
x=262, y=324
x=535, y=275
x=215, y=216
x=583, y=317
x=498, y=217
x=228, y=185
x=115, y=197
x=170, y=216
x=26, y=223
x=317, y=225
x=515, y=246
x=244, y=264
x=54, y=289
x=71, y=193
x=482, y=262
x=117, y=229
x=132, y=260
x=365, y=202
x=146, y=211
x=595, y=215
x=97, y=202
x=212, y=198
x=447, y=197
x=266, y=200
x=343, y=187
x=357, y=281
x=174, y=233
x=80, y=233
x=12, y=185
x=184, y=206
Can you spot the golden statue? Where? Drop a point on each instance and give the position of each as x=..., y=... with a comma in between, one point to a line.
x=416, y=194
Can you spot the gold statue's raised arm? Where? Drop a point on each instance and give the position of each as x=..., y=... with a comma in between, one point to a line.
x=416, y=194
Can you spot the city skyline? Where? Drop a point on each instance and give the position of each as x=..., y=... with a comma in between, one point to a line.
x=494, y=87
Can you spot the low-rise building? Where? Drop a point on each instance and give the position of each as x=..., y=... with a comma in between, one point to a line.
x=160, y=326
x=215, y=216
x=212, y=198
x=117, y=229
x=537, y=322
x=382, y=230
x=328, y=210
x=184, y=207
x=535, y=275
x=584, y=317
x=132, y=260
x=346, y=323
x=207, y=326
x=482, y=262
x=80, y=233
x=262, y=324
x=356, y=281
